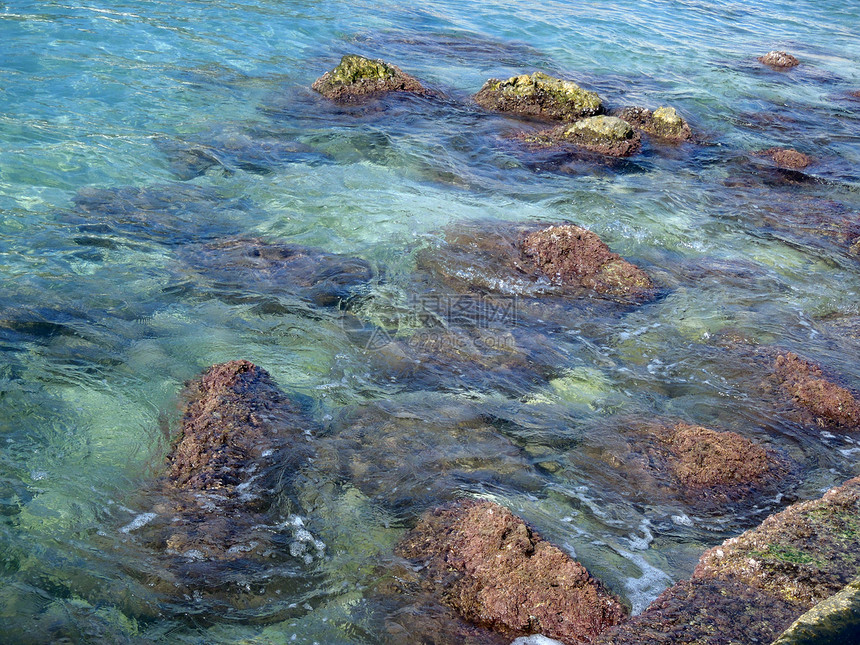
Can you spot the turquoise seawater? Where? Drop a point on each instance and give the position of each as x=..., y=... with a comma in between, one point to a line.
x=203, y=113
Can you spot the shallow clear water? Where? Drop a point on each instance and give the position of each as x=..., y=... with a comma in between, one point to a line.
x=102, y=318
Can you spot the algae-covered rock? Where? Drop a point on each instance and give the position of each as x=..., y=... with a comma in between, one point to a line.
x=663, y=123
x=829, y=403
x=568, y=254
x=779, y=60
x=804, y=554
x=539, y=95
x=357, y=76
x=787, y=158
x=606, y=135
x=495, y=571
x=705, y=612
x=752, y=587
x=834, y=621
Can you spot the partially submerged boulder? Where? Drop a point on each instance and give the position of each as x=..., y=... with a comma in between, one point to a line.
x=570, y=255
x=356, y=77
x=532, y=260
x=663, y=123
x=495, y=571
x=539, y=95
x=829, y=403
x=779, y=60
x=752, y=587
x=787, y=158
x=241, y=440
x=605, y=135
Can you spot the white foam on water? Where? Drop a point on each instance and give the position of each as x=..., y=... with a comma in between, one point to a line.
x=141, y=520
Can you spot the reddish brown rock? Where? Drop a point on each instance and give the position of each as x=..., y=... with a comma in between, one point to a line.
x=495, y=571
x=829, y=403
x=357, y=77
x=570, y=255
x=241, y=438
x=779, y=60
x=804, y=554
x=704, y=458
x=752, y=587
x=788, y=158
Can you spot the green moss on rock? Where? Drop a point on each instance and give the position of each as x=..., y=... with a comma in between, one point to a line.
x=357, y=76
x=539, y=95
x=663, y=123
x=804, y=554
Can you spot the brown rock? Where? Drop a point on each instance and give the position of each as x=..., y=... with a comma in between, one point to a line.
x=570, y=255
x=803, y=554
x=495, y=571
x=830, y=403
x=357, y=77
x=704, y=458
x=788, y=158
x=241, y=437
x=779, y=60
x=706, y=612
x=752, y=587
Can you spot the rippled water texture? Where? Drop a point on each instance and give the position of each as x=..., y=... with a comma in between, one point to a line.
x=173, y=195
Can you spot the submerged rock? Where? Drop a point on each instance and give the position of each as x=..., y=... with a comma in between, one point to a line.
x=779, y=60
x=356, y=77
x=172, y=214
x=495, y=571
x=411, y=458
x=570, y=255
x=787, y=158
x=539, y=95
x=752, y=587
x=663, y=123
x=829, y=403
x=247, y=268
x=606, y=135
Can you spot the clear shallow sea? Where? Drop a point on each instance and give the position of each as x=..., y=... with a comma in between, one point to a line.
x=100, y=327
